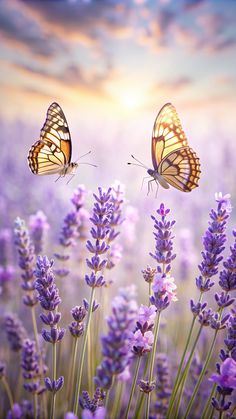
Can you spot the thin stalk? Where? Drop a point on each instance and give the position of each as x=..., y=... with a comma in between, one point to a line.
x=133, y=387
x=205, y=413
x=149, y=292
x=81, y=363
x=201, y=376
x=8, y=390
x=54, y=361
x=35, y=405
x=184, y=375
x=157, y=323
x=139, y=408
x=107, y=398
x=176, y=384
x=70, y=379
x=118, y=399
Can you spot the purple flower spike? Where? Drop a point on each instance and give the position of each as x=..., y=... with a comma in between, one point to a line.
x=15, y=331
x=54, y=385
x=26, y=253
x=213, y=241
x=92, y=404
x=30, y=367
x=228, y=276
x=38, y=227
x=227, y=377
x=103, y=212
x=116, y=345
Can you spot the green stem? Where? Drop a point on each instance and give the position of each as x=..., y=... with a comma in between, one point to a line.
x=152, y=361
x=149, y=292
x=140, y=407
x=205, y=413
x=118, y=399
x=54, y=361
x=201, y=376
x=35, y=405
x=184, y=375
x=133, y=387
x=81, y=363
x=8, y=390
x=70, y=381
x=177, y=382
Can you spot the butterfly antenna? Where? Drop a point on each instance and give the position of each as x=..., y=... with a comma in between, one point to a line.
x=83, y=155
x=139, y=162
x=90, y=164
x=57, y=178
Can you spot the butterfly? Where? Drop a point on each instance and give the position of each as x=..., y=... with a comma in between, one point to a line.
x=174, y=162
x=52, y=153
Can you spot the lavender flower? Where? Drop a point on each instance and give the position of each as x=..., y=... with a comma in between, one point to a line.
x=100, y=413
x=230, y=341
x=76, y=328
x=71, y=227
x=149, y=274
x=143, y=338
x=163, y=387
x=38, y=227
x=49, y=299
x=26, y=254
x=6, y=270
x=116, y=345
x=30, y=367
x=92, y=404
x=213, y=242
x=228, y=275
x=227, y=374
x=15, y=331
x=100, y=232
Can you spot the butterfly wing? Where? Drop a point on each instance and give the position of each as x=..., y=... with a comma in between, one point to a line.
x=171, y=155
x=52, y=152
x=167, y=135
x=181, y=169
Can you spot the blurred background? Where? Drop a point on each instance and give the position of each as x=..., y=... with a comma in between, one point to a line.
x=112, y=65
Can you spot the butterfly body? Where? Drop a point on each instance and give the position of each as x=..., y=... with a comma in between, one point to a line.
x=158, y=178
x=52, y=153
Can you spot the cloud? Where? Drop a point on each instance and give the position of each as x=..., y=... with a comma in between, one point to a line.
x=17, y=29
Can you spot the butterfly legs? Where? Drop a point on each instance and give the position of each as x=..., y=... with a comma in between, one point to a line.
x=150, y=186
x=70, y=179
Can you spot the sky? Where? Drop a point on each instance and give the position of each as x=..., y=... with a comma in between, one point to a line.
x=112, y=65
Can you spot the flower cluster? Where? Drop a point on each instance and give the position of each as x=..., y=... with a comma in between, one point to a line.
x=48, y=296
x=92, y=404
x=76, y=328
x=163, y=386
x=101, y=219
x=213, y=242
x=163, y=284
x=26, y=254
x=142, y=339
x=38, y=227
x=15, y=331
x=30, y=367
x=117, y=199
x=6, y=270
x=73, y=225
x=116, y=345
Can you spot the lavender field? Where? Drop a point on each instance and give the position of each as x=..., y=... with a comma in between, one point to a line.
x=115, y=303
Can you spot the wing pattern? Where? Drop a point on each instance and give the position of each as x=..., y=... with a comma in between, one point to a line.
x=53, y=151
x=171, y=155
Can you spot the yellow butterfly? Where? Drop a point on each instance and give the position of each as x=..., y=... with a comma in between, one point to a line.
x=174, y=162
x=52, y=153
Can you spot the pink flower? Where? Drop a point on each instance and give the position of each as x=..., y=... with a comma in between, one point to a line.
x=100, y=413
x=227, y=376
x=165, y=284
x=224, y=201
x=146, y=314
x=144, y=341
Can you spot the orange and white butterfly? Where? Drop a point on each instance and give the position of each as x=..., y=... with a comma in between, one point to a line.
x=174, y=162
x=52, y=153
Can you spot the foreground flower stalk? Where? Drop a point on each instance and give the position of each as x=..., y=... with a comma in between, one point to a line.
x=48, y=295
x=101, y=218
x=163, y=285
x=213, y=241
